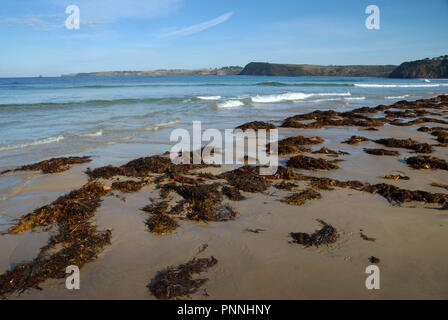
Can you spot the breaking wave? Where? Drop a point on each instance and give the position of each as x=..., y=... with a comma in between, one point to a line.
x=33, y=143
x=293, y=96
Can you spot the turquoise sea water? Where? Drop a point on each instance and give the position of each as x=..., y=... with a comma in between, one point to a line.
x=46, y=117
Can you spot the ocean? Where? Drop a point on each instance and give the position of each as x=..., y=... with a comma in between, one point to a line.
x=116, y=119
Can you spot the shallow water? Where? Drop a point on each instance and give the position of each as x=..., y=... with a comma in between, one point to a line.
x=45, y=117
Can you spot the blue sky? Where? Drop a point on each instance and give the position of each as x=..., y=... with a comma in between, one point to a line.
x=156, y=34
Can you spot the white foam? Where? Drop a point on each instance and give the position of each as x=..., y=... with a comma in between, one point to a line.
x=293, y=96
x=94, y=134
x=33, y=143
x=209, y=97
x=355, y=98
x=374, y=85
x=397, y=97
x=161, y=125
x=230, y=104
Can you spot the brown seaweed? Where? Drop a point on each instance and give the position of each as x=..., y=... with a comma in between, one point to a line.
x=395, y=177
x=406, y=144
x=355, y=140
x=54, y=165
x=247, y=179
x=299, y=198
x=161, y=224
x=364, y=237
x=129, y=186
x=309, y=163
x=232, y=193
x=324, y=236
x=81, y=242
x=177, y=282
x=381, y=152
x=427, y=162
x=373, y=259
x=256, y=125
x=439, y=185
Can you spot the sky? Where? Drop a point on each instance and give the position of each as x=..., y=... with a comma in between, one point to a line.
x=169, y=34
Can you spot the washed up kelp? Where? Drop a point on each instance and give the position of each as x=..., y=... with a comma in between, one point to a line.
x=397, y=195
x=129, y=186
x=161, y=224
x=331, y=119
x=406, y=144
x=325, y=236
x=296, y=144
x=309, y=163
x=54, y=165
x=256, y=125
x=366, y=238
x=299, y=198
x=78, y=240
x=373, y=259
x=78, y=205
x=355, y=140
x=396, y=177
x=329, y=152
x=381, y=152
x=79, y=252
x=247, y=179
x=393, y=194
x=232, y=193
x=204, y=202
x=285, y=186
x=427, y=162
x=439, y=132
x=439, y=185
x=142, y=167
x=178, y=282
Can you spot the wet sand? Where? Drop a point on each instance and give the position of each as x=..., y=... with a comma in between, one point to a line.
x=410, y=238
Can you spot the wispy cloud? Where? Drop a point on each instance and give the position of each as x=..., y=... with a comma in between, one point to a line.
x=197, y=27
x=42, y=21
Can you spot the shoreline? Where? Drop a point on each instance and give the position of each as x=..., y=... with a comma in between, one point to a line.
x=409, y=238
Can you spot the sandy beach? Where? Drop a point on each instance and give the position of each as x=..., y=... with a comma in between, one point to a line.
x=255, y=253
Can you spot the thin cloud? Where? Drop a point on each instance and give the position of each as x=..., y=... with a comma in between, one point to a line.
x=186, y=31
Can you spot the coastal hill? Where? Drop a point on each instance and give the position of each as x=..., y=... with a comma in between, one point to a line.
x=292, y=70
x=426, y=68
x=232, y=70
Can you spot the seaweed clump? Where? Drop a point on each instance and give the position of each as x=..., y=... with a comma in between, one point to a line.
x=232, y=193
x=161, y=224
x=246, y=179
x=205, y=203
x=299, y=198
x=381, y=152
x=80, y=240
x=355, y=140
x=395, y=177
x=324, y=236
x=309, y=163
x=129, y=186
x=256, y=125
x=427, y=162
x=296, y=144
x=54, y=165
x=176, y=282
x=406, y=144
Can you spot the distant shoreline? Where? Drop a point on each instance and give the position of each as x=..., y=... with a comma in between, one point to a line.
x=435, y=68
